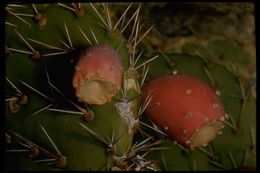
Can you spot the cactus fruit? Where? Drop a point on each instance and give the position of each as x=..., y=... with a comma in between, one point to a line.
x=53, y=122
x=186, y=108
x=234, y=146
x=98, y=75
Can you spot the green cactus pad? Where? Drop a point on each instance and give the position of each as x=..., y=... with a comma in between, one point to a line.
x=226, y=53
x=74, y=141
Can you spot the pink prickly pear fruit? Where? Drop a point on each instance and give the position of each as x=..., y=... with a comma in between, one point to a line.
x=97, y=75
x=187, y=109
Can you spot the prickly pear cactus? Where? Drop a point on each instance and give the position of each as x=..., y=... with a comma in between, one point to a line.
x=67, y=111
x=48, y=124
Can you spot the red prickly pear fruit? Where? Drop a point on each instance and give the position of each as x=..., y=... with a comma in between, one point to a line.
x=97, y=75
x=187, y=109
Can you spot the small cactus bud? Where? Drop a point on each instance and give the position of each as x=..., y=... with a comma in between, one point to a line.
x=61, y=162
x=23, y=100
x=80, y=12
x=14, y=106
x=89, y=116
x=34, y=152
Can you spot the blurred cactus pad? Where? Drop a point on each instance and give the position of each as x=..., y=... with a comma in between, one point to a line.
x=48, y=127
